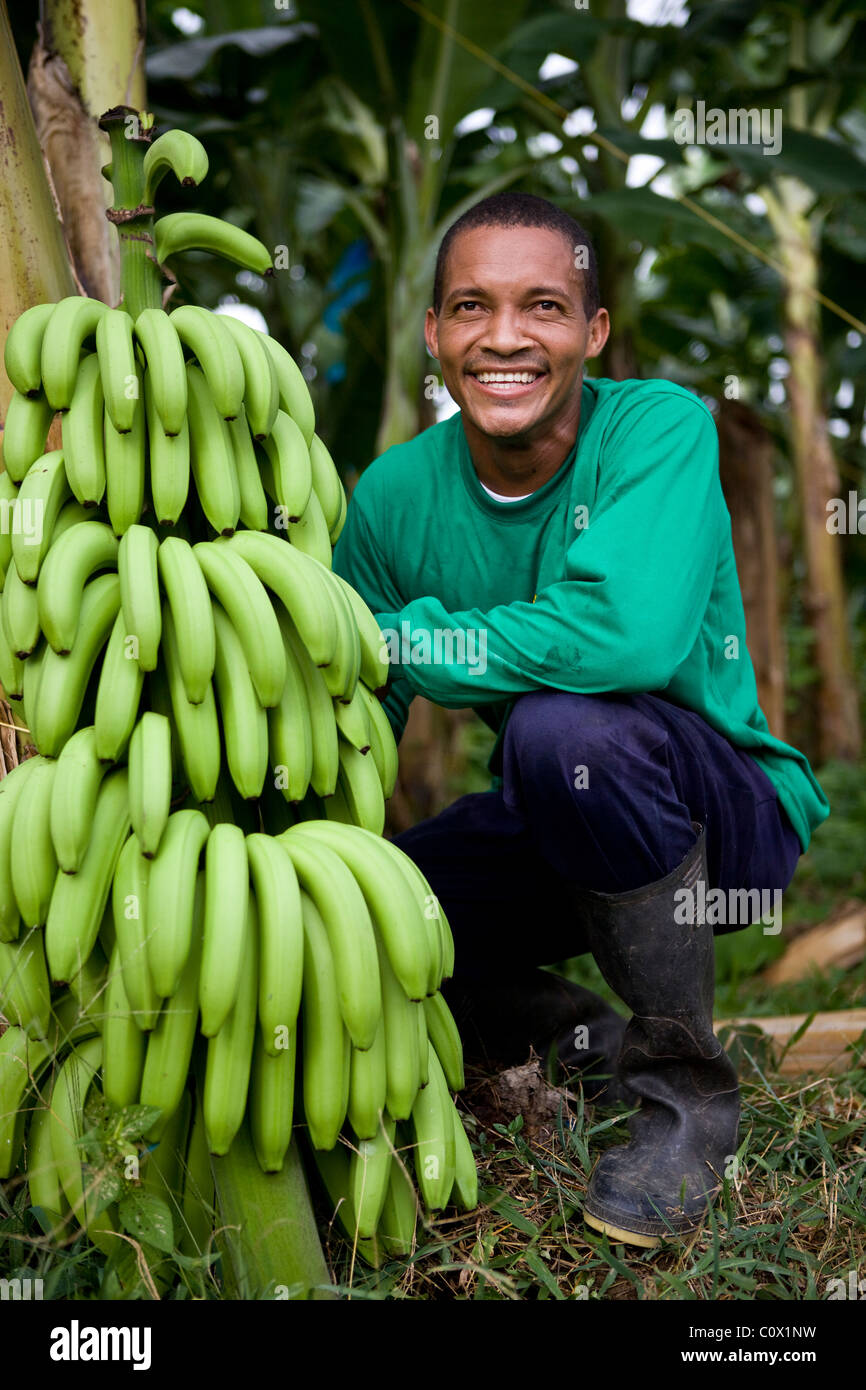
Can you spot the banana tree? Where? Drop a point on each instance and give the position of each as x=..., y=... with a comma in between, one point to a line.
x=270, y=1234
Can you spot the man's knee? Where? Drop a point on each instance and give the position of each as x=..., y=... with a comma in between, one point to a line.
x=558, y=727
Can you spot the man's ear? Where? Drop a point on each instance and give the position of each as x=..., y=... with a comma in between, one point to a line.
x=431, y=333
x=599, y=330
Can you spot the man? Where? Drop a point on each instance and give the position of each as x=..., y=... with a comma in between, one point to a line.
x=558, y=557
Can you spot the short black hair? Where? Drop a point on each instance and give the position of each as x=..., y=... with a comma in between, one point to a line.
x=521, y=210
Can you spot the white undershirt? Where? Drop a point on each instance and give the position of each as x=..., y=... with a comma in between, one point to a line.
x=498, y=495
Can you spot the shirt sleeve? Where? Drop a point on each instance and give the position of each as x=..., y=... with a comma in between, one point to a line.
x=638, y=578
x=360, y=559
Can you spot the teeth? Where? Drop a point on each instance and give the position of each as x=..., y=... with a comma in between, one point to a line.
x=493, y=377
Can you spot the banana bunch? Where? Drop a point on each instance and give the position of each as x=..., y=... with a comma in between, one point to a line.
x=194, y=881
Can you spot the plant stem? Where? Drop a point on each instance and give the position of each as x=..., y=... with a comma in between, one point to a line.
x=141, y=278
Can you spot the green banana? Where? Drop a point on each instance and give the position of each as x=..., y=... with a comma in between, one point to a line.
x=165, y=375
x=212, y=456
x=170, y=1044
x=78, y=775
x=291, y=470
x=150, y=780
x=213, y=346
x=63, y=679
x=89, y=985
x=434, y=1137
x=382, y=744
x=465, y=1190
x=327, y=484
x=353, y=722
x=168, y=457
x=374, y=651
x=334, y=533
x=281, y=940
x=198, y=735
x=30, y=683
x=66, y=1124
x=84, y=436
x=402, y=1063
x=368, y=1086
x=240, y=592
x=178, y=151
x=272, y=1092
x=24, y=987
x=73, y=558
x=129, y=908
x=20, y=615
x=125, y=454
x=118, y=694
x=11, y=788
x=10, y=519
x=124, y=1042
x=34, y=863
x=78, y=901
x=74, y=321
x=28, y=420
x=362, y=789
x=324, y=876
x=230, y=1053
x=192, y=615
x=261, y=388
x=170, y=899
x=396, y=1229
x=295, y=397
x=445, y=1037
x=42, y=494
x=326, y=1043
x=299, y=584
x=325, y=742
x=244, y=721
x=254, y=500
x=310, y=532
x=43, y=1181
x=227, y=891
x=194, y=231
x=341, y=676
x=22, y=354
x=390, y=900
x=140, y=603
x=290, y=731
x=11, y=669
x=121, y=380
x=370, y=1176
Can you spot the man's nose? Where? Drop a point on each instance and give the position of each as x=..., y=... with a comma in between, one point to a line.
x=505, y=332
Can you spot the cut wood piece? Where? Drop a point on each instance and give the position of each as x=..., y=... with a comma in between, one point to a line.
x=839, y=942
x=823, y=1048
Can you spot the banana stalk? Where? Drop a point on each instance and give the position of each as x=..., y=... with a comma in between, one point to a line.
x=270, y=1235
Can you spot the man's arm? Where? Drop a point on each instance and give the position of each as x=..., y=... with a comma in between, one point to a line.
x=638, y=578
x=360, y=560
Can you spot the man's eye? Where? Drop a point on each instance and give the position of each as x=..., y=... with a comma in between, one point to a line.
x=468, y=304
x=547, y=304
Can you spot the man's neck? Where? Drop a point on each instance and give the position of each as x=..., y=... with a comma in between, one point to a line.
x=515, y=467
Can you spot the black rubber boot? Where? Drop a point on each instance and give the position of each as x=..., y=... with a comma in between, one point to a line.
x=506, y=1015
x=661, y=1183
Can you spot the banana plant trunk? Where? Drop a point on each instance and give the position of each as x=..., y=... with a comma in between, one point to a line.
x=88, y=58
x=839, y=733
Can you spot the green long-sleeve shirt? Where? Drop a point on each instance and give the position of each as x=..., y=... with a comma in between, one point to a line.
x=617, y=574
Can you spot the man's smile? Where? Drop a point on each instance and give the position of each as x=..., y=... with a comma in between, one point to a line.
x=510, y=383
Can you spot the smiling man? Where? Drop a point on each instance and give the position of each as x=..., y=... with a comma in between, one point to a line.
x=575, y=528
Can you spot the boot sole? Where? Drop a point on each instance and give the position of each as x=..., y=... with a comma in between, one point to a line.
x=622, y=1237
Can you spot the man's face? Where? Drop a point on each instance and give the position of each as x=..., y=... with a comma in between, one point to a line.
x=512, y=307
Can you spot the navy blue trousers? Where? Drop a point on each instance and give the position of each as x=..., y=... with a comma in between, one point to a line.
x=599, y=792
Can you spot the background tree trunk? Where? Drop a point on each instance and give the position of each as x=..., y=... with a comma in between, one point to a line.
x=746, y=471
